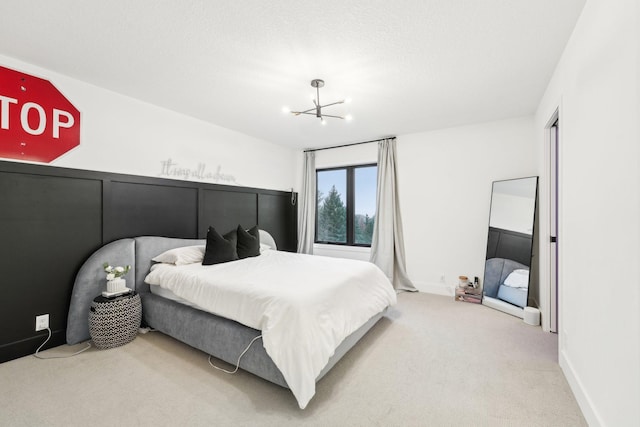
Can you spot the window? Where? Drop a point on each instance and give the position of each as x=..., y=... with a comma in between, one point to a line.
x=346, y=205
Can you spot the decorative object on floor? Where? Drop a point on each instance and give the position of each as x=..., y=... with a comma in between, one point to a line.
x=114, y=321
x=468, y=293
x=317, y=109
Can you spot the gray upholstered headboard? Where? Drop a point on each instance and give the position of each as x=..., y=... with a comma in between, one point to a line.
x=496, y=271
x=148, y=247
x=91, y=279
x=136, y=252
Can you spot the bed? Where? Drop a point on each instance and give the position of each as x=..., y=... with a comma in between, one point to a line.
x=227, y=337
x=506, y=280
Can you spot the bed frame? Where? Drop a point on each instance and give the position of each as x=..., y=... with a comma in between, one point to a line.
x=220, y=337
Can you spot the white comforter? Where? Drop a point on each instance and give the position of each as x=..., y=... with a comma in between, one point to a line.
x=304, y=305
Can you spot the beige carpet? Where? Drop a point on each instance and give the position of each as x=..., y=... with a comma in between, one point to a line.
x=431, y=362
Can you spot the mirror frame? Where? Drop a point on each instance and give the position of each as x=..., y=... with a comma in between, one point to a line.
x=497, y=303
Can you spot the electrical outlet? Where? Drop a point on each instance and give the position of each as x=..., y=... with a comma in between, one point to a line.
x=42, y=322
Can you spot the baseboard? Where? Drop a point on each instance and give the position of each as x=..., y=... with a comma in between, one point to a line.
x=579, y=393
x=435, y=288
x=28, y=346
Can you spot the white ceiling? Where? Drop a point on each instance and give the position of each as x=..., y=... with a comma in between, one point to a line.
x=407, y=65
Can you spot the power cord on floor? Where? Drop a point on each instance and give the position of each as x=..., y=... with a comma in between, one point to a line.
x=239, y=357
x=58, y=357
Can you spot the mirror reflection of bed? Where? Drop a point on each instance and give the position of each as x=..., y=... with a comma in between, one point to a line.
x=508, y=284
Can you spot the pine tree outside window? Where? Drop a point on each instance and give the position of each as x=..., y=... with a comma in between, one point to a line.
x=346, y=203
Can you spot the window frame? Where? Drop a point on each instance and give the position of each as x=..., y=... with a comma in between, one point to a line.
x=350, y=204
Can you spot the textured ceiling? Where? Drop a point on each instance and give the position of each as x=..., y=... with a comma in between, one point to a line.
x=407, y=65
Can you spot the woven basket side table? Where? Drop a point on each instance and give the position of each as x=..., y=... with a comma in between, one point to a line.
x=114, y=321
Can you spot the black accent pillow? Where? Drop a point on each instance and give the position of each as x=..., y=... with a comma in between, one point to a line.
x=248, y=242
x=219, y=248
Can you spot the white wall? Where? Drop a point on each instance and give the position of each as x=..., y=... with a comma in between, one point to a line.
x=597, y=88
x=445, y=180
x=511, y=212
x=124, y=135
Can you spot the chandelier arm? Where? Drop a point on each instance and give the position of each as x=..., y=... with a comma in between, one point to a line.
x=305, y=111
x=329, y=115
x=333, y=103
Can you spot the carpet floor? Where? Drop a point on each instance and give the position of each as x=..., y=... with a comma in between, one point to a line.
x=431, y=361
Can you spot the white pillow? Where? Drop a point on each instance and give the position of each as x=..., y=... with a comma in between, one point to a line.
x=182, y=256
x=264, y=247
x=518, y=279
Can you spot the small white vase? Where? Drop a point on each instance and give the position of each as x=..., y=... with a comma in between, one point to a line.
x=116, y=285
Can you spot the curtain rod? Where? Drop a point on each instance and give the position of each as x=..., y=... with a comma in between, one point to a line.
x=347, y=145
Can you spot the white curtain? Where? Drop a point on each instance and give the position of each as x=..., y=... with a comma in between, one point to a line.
x=387, y=246
x=307, y=212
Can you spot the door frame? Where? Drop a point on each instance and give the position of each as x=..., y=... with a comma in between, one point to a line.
x=552, y=298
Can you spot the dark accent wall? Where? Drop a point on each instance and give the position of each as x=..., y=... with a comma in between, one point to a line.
x=510, y=245
x=52, y=219
x=230, y=210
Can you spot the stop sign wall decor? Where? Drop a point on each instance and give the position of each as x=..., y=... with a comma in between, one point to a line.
x=37, y=122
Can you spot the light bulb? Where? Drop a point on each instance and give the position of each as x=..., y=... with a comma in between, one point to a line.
x=347, y=100
x=323, y=121
x=286, y=110
x=348, y=117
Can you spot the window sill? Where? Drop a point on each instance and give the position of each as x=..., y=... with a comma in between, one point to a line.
x=342, y=251
x=346, y=248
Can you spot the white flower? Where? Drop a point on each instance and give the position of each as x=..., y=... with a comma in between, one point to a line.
x=115, y=272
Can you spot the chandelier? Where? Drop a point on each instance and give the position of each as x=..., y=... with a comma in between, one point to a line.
x=317, y=109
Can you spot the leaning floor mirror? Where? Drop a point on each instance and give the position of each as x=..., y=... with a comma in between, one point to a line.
x=507, y=278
